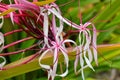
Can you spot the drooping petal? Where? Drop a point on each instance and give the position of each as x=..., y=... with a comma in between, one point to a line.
x=45, y=29
x=54, y=28
x=94, y=43
x=66, y=60
x=55, y=63
x=86, y=47
x=11, y=14
x=1, y=41
x=82, y=66
x=60, y=17
x=3, y=62
x=90, y=56
x=28, y=4
x=1, y=21
x=47, y=67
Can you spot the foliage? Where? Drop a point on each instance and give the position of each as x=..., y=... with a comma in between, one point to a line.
x=105, y=14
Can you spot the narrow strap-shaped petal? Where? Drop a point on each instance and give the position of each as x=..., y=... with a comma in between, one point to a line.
x=77, y=54
x=28, y=4
x=41, y=57
x=82, y=66
x=60, y=29
x=76, y=63
x=55, y=63
x=95, y=44
x=81, y=38
x=54, y=28
x=2, y=63
x=60, y=17
x=66, y=60
x=11, y=14
x=87, y=24
x=90, y=56
x=1, y=41
x=68, y=40
x=2, y=21
x=45, y=29
x=86, y=47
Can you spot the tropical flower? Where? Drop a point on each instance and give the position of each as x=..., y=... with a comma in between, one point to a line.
x=85, y=41
x=34, y=18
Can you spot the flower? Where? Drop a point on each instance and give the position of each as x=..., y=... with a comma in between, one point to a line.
x=57, y=45
x=38, y=20
x=85, y=41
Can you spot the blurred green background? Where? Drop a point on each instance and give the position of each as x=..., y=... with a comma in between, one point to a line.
x=105, y=14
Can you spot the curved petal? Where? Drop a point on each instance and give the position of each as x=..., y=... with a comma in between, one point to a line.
x=66, y=59
x=2, y=63
x=60, y=17
x=94, y=43
x=82, y=66
x=43, y=65
x=2, y=21
x=1, y=41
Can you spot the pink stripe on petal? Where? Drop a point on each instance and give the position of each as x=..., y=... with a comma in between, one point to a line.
x=29, y=4
x=55, y=61
x=45, y=29
x=54, y=28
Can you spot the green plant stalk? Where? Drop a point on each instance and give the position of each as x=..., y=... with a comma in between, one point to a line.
x=34, y=64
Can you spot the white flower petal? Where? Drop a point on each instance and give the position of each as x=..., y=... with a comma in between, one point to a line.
x=43, y=65
x=66, y=62
x=55, y=63
x=88, y=62
x=1, y=41
x=60, y=17
x=95, y=44
x=1, y=21
x=45, y=29
x=3, y=63
x=82, y=66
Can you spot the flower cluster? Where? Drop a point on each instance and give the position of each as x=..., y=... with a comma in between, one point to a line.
x=38, y=20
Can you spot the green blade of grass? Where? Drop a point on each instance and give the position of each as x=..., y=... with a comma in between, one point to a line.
x=107, y=14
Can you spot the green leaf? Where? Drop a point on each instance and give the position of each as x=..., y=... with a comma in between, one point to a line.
x=107, y=14
x=34, y=64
